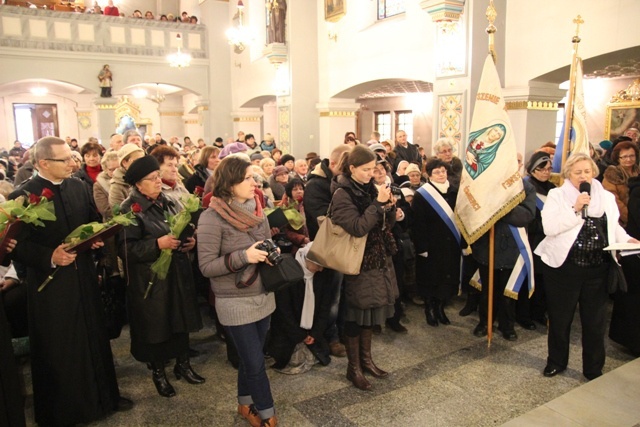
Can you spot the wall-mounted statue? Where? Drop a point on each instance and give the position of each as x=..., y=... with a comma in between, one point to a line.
x=277, y=18
x=105, y=78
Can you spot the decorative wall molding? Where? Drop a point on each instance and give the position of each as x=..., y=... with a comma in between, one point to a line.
x=531, y=105
x=337, y=113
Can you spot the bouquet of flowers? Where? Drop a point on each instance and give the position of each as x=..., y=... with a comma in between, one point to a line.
x=31, y=209
x=177, y=224
x=87, y=231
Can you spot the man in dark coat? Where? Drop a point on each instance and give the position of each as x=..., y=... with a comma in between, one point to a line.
x=406, y=151
x=74, y=379
x=317, y=194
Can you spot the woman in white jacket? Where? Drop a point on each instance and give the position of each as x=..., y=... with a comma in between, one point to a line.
x=575, y=264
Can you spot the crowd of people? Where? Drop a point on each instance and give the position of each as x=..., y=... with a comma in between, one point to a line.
x=390, y=192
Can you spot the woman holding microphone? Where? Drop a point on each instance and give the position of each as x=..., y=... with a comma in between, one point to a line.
x=578, y=225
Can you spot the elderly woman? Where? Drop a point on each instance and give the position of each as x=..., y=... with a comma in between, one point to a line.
x=277, y=181
x=443, y=149
x=400, y=175
x=168, y=159
x=101, y=187
x=437, y=242
x=119, y=189
x=575, y=264
x=230, y=231
x=616, y=177
x=363, y=208
x=203, y=170
x=415, y=177
x=160, y=322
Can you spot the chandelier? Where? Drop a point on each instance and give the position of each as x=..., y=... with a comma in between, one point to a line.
x=158, y=98
x=239, y=36
x=179, y=59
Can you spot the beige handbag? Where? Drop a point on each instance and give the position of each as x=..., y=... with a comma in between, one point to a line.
x=336, y=249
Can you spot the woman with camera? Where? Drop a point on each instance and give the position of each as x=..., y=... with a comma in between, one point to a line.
x=580, y=219
x=363, y=208
x=160, y=322
x=231, y=234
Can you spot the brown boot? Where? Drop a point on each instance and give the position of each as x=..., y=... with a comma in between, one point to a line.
x=337, y=349
x=365, y=355
x=354, y=371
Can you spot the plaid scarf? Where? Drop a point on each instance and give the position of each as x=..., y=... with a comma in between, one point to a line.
x=243, y=217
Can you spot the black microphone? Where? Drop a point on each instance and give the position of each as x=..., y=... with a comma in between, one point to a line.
x=585, y=187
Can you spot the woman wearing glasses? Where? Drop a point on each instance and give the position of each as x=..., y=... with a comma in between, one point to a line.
x=161, y=322
x=616, y=177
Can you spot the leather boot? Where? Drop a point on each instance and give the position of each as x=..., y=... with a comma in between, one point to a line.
x=365, y=355
x=442, y=316
x=430, y=311
x=354, y=371
x=165, y=389
x=184, y=370
x=473, y=299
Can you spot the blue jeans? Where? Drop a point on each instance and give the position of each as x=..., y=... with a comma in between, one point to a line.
x=253, y=382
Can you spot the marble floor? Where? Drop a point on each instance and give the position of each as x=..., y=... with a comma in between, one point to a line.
x=440, y=376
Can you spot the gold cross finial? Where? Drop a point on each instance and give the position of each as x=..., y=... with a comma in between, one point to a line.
x=578, y=20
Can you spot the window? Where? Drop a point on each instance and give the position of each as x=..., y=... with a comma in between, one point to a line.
x=383, y=125
x=388, y=8
x=560, y=122
x=404, y=121
x=35, y=121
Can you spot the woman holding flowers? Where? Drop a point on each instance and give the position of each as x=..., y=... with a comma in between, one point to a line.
x=162, y=310
x=229, y=231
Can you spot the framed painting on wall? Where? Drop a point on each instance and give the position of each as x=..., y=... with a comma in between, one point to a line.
x=620, y=117
x=334, y=10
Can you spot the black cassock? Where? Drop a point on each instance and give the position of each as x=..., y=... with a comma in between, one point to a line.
x=11, y=400
x=72, y=368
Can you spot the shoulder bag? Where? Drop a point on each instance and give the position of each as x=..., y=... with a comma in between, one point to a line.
x=336, y=249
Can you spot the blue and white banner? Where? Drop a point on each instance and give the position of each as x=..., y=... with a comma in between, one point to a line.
x=442, y=208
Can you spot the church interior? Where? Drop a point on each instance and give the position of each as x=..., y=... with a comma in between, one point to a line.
x=307, y=72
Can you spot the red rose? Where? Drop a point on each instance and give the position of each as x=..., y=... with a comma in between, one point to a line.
x=198, y=191
x=136, y=208
x=33, y=199
x=46, y=193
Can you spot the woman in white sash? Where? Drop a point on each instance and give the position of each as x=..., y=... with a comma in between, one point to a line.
x=437, y=242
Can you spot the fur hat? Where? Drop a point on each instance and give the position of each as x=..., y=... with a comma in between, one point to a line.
x=286, y=157
x=127, y=149
x=140, y=168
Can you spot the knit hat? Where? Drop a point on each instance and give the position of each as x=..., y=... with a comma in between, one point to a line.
x=606, y=144
x=140, y=168
x=411, y=168
x=256, y=156
x=285, y=158
x=280, y=170
x=377, y=147
x=127, y=149
x=234, y=147
x=537, y=159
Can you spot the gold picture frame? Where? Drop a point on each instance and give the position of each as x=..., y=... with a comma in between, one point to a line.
x=334, y=10
x=620, y=117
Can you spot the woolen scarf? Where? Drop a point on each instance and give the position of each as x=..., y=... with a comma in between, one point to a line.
x=596, y=205
x=243, y=216
x=309, y=303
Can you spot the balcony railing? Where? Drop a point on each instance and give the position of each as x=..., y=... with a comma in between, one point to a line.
x=24, y=28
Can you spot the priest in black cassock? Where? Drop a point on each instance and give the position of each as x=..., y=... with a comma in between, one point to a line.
x=74, y=379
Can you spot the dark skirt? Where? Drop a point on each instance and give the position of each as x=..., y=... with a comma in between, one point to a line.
x=176, y=346
x=625, y=318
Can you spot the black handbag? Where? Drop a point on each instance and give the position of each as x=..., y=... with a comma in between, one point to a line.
x=616, y=282
x=277, y=277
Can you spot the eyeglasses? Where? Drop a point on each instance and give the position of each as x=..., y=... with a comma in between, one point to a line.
x=153, y=178
x=627, y=157
x=68, y=160
x=546, y=170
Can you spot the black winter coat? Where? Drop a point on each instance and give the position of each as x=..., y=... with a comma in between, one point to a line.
x=198, y=179
x=506, y=249
x=171, y=305
x=317, y=196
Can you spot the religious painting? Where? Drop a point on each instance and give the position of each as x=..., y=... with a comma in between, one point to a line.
x=334, y=10
x=620, y=117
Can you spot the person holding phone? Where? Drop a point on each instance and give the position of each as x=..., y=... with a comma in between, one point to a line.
x=160, y=322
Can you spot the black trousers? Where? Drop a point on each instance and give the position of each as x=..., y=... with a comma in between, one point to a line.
x=567, y=287
x=504, y=308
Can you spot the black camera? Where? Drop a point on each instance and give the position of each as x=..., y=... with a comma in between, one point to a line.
x=273, y=256
x=396, y=191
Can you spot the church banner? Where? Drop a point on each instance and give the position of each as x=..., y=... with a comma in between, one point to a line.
x=491, y=184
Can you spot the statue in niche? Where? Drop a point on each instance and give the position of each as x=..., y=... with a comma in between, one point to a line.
x=105, y=78
x=277, y=17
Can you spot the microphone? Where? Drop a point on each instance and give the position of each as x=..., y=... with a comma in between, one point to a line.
x=585, y=187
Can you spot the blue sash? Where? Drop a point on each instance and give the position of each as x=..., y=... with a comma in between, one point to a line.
x=442, y=208
x=523, y=267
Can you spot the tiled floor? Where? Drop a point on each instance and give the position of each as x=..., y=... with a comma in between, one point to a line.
x=440, y=376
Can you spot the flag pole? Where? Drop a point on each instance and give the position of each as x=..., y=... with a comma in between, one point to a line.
x=570, y=98
x=491, y=31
